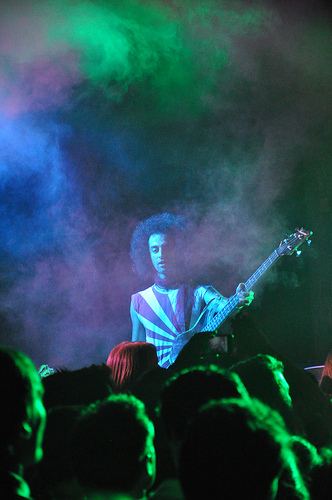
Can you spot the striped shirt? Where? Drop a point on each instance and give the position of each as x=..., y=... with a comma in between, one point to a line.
x=163, y=321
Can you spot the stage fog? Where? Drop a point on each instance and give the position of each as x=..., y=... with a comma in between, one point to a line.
x=114, y=111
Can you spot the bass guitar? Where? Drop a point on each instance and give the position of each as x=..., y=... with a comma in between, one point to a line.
x=287, y=247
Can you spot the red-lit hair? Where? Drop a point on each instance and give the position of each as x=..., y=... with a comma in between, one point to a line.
x=129, y=360
x=327, y=370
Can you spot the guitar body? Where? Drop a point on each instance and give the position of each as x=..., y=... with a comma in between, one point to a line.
x=206, y=323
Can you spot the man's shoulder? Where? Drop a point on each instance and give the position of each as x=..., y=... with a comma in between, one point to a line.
x=142, y=293
x=200, y=290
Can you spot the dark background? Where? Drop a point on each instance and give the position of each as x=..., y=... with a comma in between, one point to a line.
x=113, y=111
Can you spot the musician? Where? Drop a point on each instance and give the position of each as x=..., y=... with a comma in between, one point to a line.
x=172, y=304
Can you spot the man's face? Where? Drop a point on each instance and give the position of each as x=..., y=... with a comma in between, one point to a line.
x=150, y=453
x=36, y=420
x=162, y=254
x=39, y=418
x=283, y=387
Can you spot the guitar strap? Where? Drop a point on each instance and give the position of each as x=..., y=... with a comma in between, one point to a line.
x=188, y=300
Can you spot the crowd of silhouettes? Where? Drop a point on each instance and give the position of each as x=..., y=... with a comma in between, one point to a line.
x=212, y=425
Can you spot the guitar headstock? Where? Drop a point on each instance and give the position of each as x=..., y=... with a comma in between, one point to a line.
x=290, y=244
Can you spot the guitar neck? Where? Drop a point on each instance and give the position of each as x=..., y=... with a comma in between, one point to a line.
x=233, y=301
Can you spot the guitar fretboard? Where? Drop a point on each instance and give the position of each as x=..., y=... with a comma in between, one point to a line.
x=233, y=301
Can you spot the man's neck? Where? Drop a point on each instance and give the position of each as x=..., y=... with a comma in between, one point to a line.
x=165, y=283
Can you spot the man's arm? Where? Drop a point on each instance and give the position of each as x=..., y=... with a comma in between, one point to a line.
x=215, y=300
x=218, y=301
x=138, y=330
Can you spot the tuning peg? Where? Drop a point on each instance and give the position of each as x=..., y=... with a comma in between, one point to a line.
x=309, y=242
x=298, y=253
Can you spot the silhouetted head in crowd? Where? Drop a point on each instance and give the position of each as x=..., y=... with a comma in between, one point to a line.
x=308, y=456
x=129, y=360
x=238, y=449
x=55, y=470
x=249, y=339
x=22, y=413
x=263, y=377
x=147, y=388
x=187, y=391
x=325, y=385
x=112, y=447
x=321, y=476
x=194, y=352
x=78, y=387
x=204, y=348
